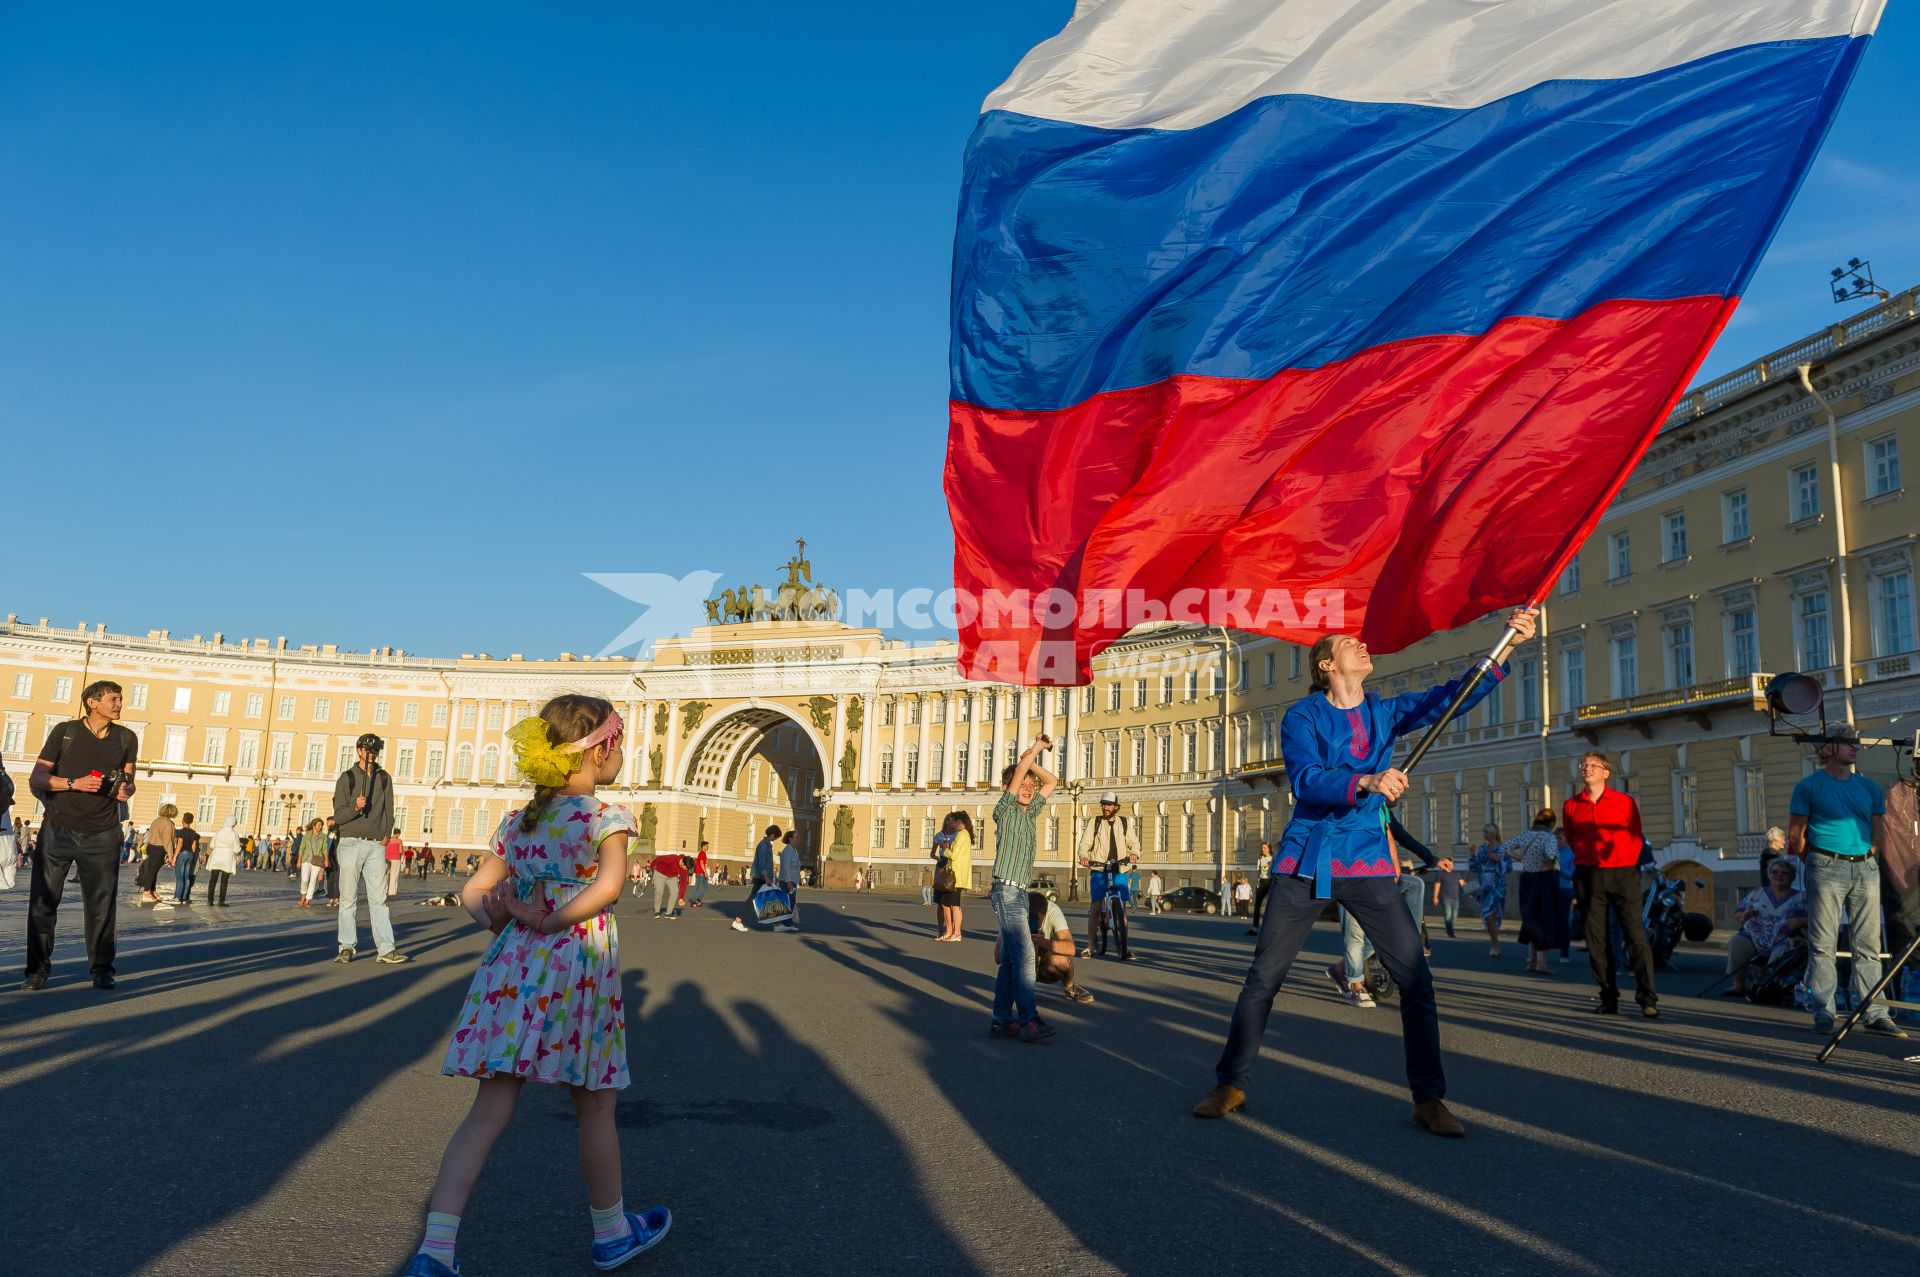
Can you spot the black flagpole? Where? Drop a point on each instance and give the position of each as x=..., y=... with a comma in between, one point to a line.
x=1481, y=669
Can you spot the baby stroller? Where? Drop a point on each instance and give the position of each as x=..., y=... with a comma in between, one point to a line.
x=1772, y=978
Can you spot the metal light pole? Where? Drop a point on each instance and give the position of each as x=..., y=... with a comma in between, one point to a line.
x=1226, y=691
x=1074, y=789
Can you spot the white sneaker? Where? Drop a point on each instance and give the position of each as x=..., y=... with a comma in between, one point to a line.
x=739, y=925
x=1358, y=996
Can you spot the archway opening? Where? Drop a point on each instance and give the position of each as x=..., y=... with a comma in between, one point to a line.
x=756, y=767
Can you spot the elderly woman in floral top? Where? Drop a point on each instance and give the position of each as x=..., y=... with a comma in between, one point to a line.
x=1767, y=915
x=1543, y=922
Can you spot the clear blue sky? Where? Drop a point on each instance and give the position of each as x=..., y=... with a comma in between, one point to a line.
x=382, y=324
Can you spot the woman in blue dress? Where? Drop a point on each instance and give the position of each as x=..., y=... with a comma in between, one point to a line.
x=1338, y=745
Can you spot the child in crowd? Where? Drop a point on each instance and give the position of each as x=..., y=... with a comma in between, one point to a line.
x=546, y=1005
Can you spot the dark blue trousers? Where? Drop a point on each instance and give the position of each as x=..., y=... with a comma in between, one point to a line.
x=1376, y=905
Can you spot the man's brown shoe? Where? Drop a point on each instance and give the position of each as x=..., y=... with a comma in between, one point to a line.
x=1220, y=1101
x=1433, y=1115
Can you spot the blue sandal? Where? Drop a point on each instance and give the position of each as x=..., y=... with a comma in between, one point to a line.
x=643, y=1230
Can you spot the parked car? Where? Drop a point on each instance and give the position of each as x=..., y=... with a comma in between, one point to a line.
x=1191, y=900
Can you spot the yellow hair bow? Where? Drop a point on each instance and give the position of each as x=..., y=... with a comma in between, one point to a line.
x=539, y=759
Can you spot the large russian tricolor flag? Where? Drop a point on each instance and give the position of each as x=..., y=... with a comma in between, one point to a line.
x=1254, y=298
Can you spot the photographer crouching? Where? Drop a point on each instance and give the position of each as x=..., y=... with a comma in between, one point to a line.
x=83, y=774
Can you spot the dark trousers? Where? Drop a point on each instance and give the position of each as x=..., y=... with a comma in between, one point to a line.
x=149, y=876
x=333, y=879
x=1597, y=892
x=1260, y=899
x=1376, y=905
x=217, y=881
x=1097, y=925
x=98, y=858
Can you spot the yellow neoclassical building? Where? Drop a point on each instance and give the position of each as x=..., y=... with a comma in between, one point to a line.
x=1767, y=529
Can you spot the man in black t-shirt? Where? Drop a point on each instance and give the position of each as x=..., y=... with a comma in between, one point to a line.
x=83, y=774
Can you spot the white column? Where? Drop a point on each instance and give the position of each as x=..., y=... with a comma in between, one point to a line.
x=926, y=738
x=948, y=733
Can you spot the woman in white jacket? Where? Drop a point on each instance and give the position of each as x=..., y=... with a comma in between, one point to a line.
x=222, y=862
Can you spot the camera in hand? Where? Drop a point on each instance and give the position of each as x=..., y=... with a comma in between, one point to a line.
x=111, y=781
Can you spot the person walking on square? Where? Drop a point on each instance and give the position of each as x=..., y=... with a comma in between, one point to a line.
x=396, y=862
x=787, y=874
x=223, y=861
x=1543, y=922
x=1262, y=879
x=1025, y=787
x=333, y=859
x=1338, y=744
x=363, y=814
x=760, y=875
x=160, y=843
x=186, y=858
x=1492, y=866
x=1837, y=826
x=83, y=774
x=697, y=893
x=546, y=1004
x=311, y=857
x=1603, y=828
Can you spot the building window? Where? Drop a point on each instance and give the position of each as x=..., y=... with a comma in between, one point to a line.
x=256, y=703
x=1626, y=665
x=436, y=762
x=1529, y=689
x=496, y=716
x=250, y=753
x=960, y=762
x=1573, y=678
x=456, y=823
x=906, y=833
x=410, y=715
x=1674, y=529
x=349, y=713
x=937, y=770
x=913, y=765
x=1893, y=613
x=322, y=709
x=1193, y=752
x=215, y=752
x=1743, y=643
x=1113, y=697
x=1883, y=466
x=1430, y=816
x=15, y=740
x=1814, y=631
x=1686, y=805
x=991, y=709
x=22, y=686
x=1293, y=662
x=886, y=764
x=137, y=696
x=343, y=757
x=282, y=756
x=182, y=700
x=1750, y=794
x=1165, y=756
x=204, y=811
x=1166, y=689
x=403, y=763
x=1089, y=698
x=469, y=714
x=1619, y=556
x=1494, y=802
x=1160, y=835
x=1462, y=821
x=1268, y=668
x=1803, y=489
x=316, y=755
x=240, y=812
x=440, y=720
x=1086, y=758
x=490, y=763
x=1013, y=711
x=62, y=690
x=913, y=712
x=400, y=820
x=964, y=710
x=1139, y=755
x=463, y=762
x=1139, y=693
x=1570, y=579
x=1113, y=758
x=1491, y=711
x=222, y=702
x=1734, y=525
x=380, y=713
x=426, y=820
x=1193, y=685
x=1680, y=654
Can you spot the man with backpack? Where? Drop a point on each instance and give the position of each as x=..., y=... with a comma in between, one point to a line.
x=1108, y=845
x=363, y=815
x=83, y=775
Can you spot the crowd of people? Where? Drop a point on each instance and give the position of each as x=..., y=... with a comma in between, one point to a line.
x=560, y=862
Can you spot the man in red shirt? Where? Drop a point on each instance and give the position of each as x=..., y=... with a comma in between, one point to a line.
x=1603, y=828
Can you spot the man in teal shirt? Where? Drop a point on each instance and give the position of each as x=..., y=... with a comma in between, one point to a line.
x=1838, y=825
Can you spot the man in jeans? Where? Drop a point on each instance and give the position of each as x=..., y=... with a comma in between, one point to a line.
x=363, y=815
x=1025, y=787
x=83, y=774
x=1838, y=826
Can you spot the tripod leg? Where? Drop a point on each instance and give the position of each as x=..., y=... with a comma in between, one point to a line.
x=1859, y=1013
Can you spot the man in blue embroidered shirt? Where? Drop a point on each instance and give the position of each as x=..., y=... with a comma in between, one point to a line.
x=1025, y=788
x=1338, y=746
x=1839, y=826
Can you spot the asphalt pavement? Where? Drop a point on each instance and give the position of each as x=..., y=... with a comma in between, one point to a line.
x=828, y=1102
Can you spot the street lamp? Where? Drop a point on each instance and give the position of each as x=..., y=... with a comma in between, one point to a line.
x=1074, y=789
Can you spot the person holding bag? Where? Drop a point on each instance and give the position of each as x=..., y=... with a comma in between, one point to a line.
x=953, y=870
x=160, y=845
